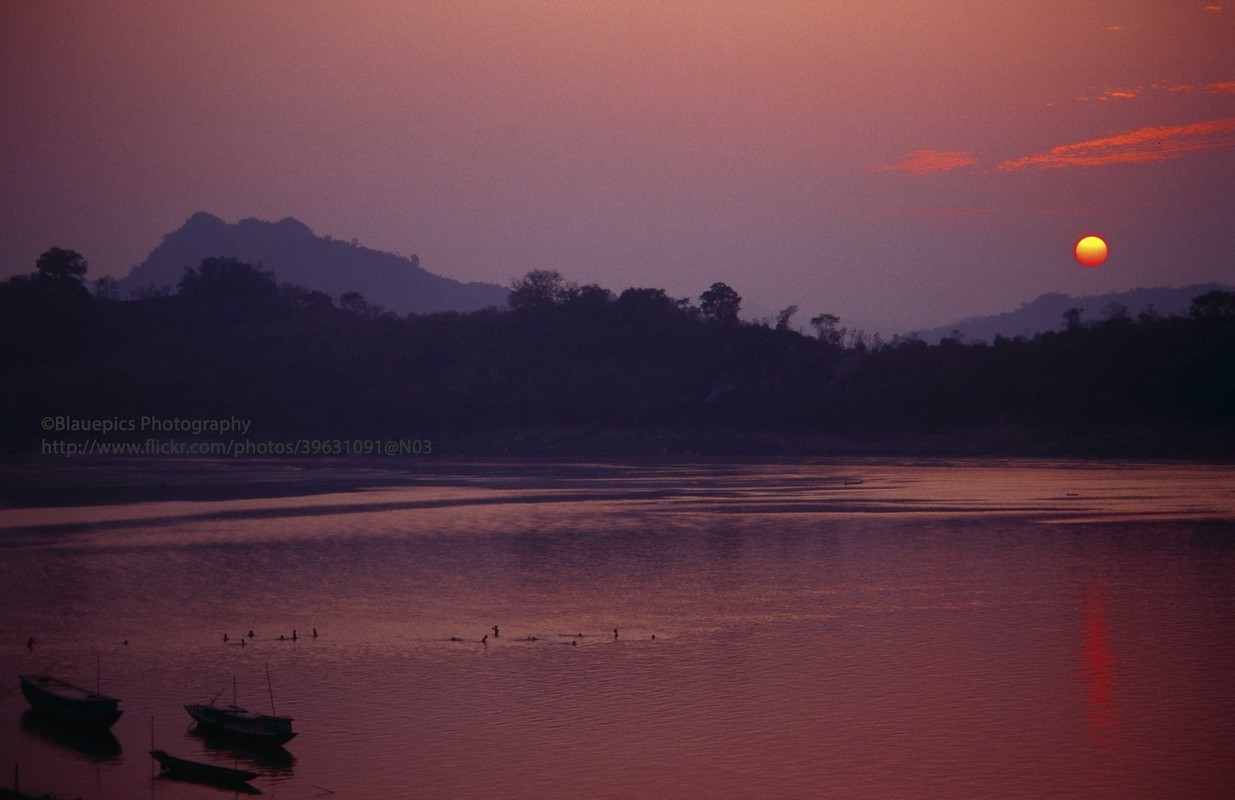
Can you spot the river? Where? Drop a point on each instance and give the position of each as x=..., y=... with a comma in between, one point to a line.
x=863, y=629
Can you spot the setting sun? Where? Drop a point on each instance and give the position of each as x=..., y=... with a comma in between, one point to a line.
x=1091, y=251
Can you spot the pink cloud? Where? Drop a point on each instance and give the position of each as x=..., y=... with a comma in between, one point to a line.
x=924, y=162
x=1137, y=146
x=1115, y=94
x=1222, y=87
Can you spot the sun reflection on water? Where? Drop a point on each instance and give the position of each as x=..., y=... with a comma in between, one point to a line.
x=1097, y=669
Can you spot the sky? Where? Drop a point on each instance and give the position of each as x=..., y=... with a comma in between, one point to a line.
x=897, y=163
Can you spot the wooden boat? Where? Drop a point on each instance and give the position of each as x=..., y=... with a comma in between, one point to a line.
x=70, y=704
x=242, y=723
x=201, y=771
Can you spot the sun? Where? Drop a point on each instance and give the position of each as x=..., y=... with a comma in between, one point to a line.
x=1091, y=251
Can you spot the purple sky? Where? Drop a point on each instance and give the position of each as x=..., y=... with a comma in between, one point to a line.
x=898, y=162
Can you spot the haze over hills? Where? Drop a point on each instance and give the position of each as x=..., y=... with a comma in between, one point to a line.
x=291, y=251
x=295, y=255
x=1046, y=313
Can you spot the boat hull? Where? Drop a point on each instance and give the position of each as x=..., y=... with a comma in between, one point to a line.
x=68, y=704
x=198, y=771
x=242, y=724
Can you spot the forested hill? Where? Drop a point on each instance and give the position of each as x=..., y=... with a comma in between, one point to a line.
x=582, y=370
x=291, y=250
x=1045, y=313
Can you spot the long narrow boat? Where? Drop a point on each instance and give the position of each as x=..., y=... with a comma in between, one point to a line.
x=242, y=723
x=200, y=771
x=69, y=703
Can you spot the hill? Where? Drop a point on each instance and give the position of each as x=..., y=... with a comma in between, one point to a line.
x=1046, y=312
x=291, y=251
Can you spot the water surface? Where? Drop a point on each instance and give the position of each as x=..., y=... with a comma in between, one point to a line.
x=863, y=630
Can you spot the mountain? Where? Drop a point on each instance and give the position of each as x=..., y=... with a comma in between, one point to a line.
x=291, y=251
x=1046, y=312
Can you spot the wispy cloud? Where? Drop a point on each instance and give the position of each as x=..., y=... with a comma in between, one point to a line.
x=1136, y=146
x=1115, y=94
x=1222, y=87
x=1153, y=143
x=1127, y=93
x=924, y=162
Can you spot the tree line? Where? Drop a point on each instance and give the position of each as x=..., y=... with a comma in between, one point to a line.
x=581, y=369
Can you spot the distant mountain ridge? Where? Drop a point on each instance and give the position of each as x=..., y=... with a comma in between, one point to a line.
x=1046, y=312
x=291, y=251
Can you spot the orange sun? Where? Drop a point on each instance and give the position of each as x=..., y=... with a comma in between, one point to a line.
x=1091, y=251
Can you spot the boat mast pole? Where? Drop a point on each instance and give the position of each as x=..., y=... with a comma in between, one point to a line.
x=270, y=688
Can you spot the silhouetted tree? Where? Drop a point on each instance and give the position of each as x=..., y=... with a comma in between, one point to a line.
x=62, y=266
x=591, y=298
x=648, y=302
x=540, y=289
x=356, y=303
x=107, y=287
x=1116, y=313
x=309, y=299
x=228, y=289
x=825, y=328
x=720, y=303
x=783, y=317
x=1213, y=304
x=227, y=278
x=47, y=316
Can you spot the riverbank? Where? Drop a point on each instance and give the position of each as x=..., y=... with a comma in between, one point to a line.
x=527, y=459
x=44, y=482
x=1007, y=441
